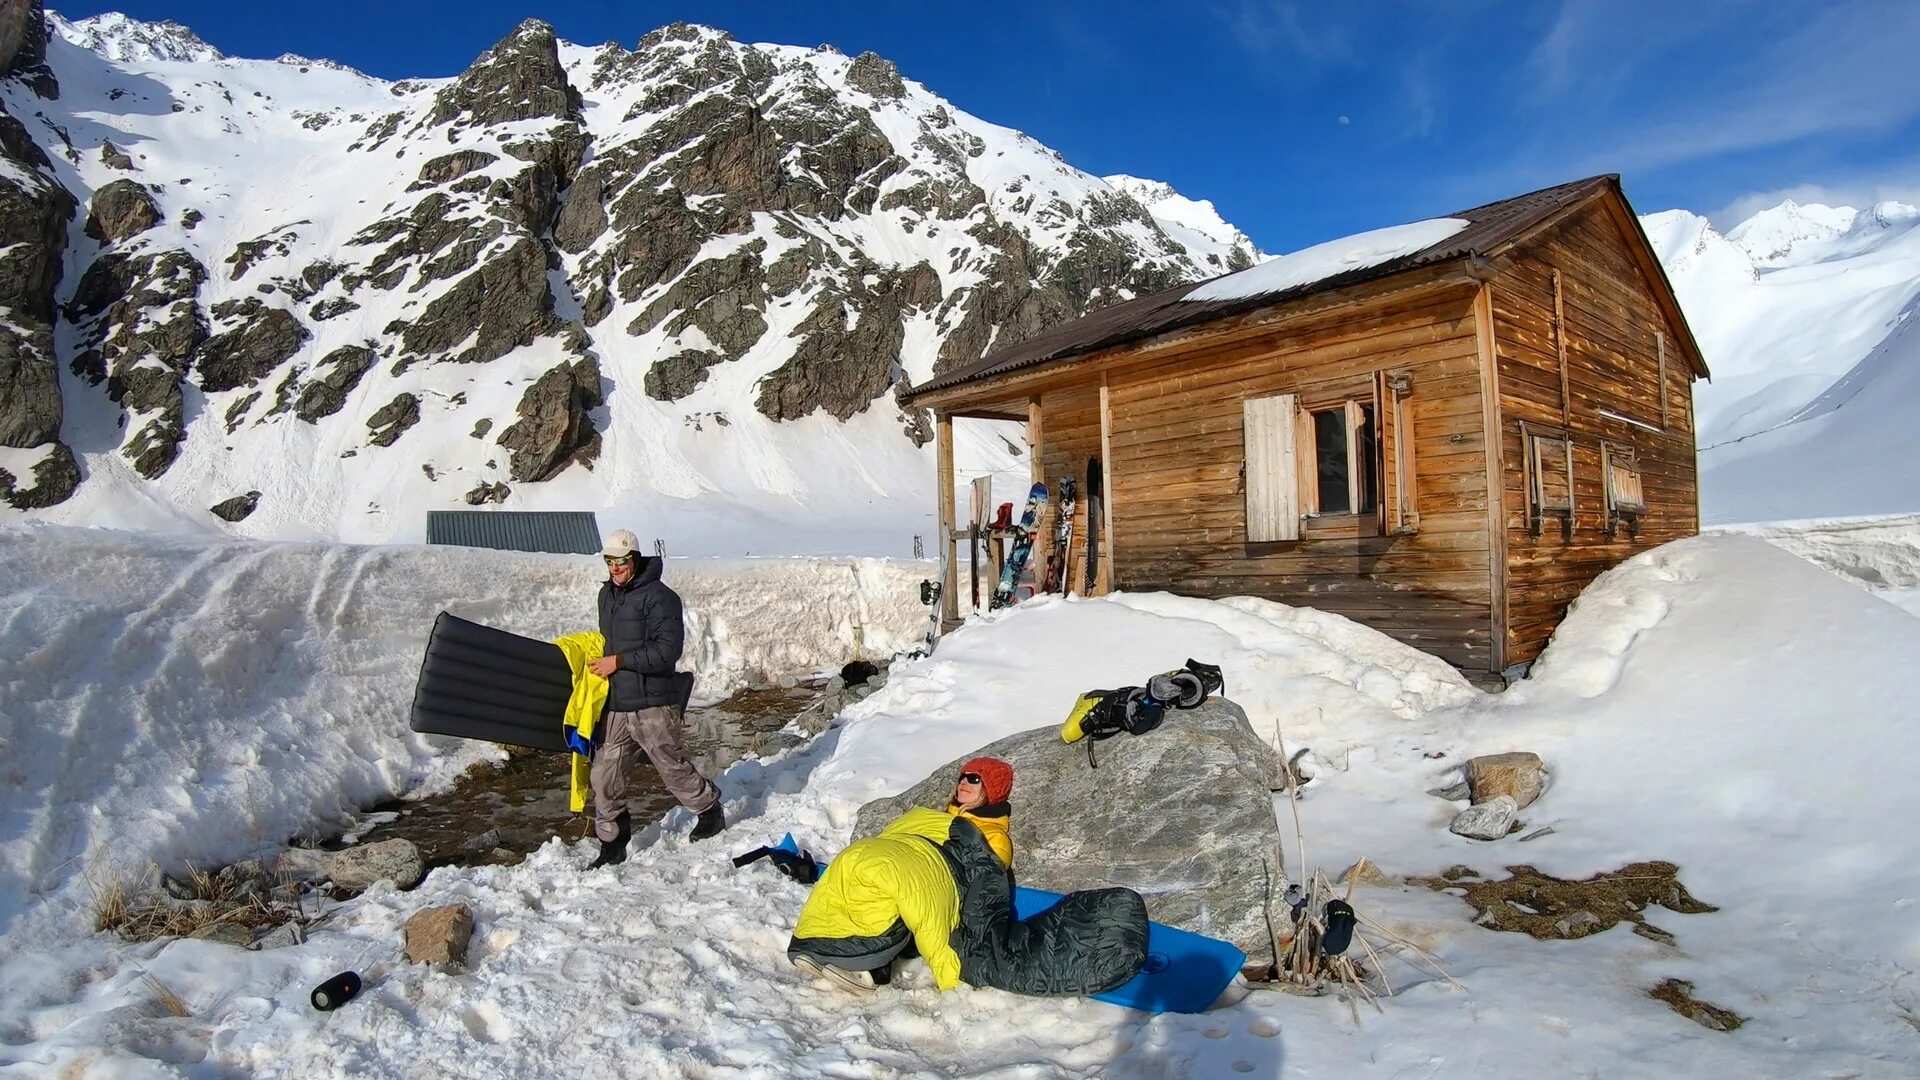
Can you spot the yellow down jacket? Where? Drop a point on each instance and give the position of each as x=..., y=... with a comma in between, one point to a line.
x=583, y=708
x=992, y=826
x=895, y=875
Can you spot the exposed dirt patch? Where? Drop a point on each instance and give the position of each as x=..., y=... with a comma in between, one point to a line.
x=1678, y=995
x=497, y=813
x=1550, y=908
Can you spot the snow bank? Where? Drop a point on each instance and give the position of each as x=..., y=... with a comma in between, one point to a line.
x=1323, y=261
x=190, y=700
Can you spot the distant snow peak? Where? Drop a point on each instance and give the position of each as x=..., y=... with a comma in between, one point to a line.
x=1886, y=215
x=1179, y=215
x=1773, y=234
x=127, y=40
x=292, y=59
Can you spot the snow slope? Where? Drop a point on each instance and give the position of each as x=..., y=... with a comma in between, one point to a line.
x=1194, y=222
x=1717, y=702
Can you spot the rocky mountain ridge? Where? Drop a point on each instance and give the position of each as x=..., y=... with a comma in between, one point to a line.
x=687, y=256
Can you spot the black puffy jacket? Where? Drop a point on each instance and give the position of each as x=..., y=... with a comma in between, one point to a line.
x=642, y=624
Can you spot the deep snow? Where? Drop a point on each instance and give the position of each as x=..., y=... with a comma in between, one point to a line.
x=1718, y=702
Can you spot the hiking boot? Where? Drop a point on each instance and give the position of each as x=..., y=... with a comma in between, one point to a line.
x=709, y=823
x=614, y=852
x=859, y=982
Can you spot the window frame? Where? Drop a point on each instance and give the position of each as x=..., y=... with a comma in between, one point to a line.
x=1632, y=512
x=1534, y=450
x=1349, y=395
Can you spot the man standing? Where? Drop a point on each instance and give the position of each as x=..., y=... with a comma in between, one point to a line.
x=640, y=618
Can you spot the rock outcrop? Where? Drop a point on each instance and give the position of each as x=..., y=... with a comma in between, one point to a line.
x=555, y=428
x=34, y=212
x=1183, y=815
x=120, y=211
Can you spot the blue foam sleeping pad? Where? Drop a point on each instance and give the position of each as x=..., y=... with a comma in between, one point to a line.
x=1185, y=972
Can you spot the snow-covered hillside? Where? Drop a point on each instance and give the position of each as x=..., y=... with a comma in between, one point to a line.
x=677, y=283
x=1683, y=710
x=1805, y=314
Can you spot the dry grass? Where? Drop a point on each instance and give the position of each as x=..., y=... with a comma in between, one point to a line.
x=138, y=909
x=1678, y=996
x=172, y=1002
x=1546, y=907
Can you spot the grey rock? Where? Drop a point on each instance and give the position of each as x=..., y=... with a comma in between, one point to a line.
x=55, y=478
x=177, y=889
x=452, y=167
x=226, y=933
x=520, y=78
x=1574, y=924
x=554, y=429
x=115, y=158
x=1516, y=775
x=395, y=860
x=23, y=40
x=1183, y=814
x=484, y=493
x=120, y=210
x=1460, y=792
x=392, y=420
x=1489, y=820
x=302, y=864
x=286, y=935
x=34, y=211
x=502, y=304
x=248, y=252
x=676, y=376
x=327, y=395
x=876, y=75
x=140, y=331
x=483, y=842
x=236, y=508
x=260, y=340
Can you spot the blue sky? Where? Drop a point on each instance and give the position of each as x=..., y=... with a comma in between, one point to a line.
x=1300, y=121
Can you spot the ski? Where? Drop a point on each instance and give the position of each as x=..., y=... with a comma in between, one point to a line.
x=1022, y=549
x=1062, y=537
x=1094, y=485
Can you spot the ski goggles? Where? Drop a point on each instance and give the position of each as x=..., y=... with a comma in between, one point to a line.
x=618, y=560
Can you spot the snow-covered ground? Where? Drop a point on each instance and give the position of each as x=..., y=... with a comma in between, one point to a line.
x=1719, y=702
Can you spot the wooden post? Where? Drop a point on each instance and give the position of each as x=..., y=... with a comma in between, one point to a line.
x=948, y=546
x=1108, y=489
x=981, y=497
x=1566, y=396
x=1660, y=341
x=1496, y=472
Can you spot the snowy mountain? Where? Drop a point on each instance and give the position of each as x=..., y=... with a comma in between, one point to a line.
x=1805, y=316
x=677, y=283
x=1772, y=234
x=1193, y=222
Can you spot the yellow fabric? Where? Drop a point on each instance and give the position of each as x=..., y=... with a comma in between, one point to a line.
x=583, y=708
x=895, y=875
x=1071, y=730
x=994, y=829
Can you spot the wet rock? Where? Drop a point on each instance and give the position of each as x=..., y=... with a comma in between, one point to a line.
x=1183, y=814
x=236, y=508
x=1515, y=775
x=554, y=429
x=327, y=395
x=394, y=860
x=393, y=419
x=439, y=935
x=1489, y=820
x=120, y=210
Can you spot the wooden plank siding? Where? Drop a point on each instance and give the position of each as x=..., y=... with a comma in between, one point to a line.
x=1613, y=334
x=1178, y=495
x=1070, y=435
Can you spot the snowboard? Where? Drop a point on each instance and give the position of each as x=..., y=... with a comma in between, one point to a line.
x=1022, y=549
x=1185, y=972
x=1062, y=537
x=1093, y=525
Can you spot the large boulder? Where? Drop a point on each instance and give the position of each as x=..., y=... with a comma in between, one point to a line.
x=121, y=209
x=1183, y=815
x=1515, y=775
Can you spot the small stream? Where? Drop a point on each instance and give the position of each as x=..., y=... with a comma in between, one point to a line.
x=499, y=812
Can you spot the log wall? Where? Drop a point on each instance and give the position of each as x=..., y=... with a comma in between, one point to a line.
x=1610, y=327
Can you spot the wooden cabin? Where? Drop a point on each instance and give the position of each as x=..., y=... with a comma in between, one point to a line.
x=1315, y=430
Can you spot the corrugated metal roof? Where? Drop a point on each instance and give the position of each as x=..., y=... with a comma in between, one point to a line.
x=563, y=532
x=1488, y=228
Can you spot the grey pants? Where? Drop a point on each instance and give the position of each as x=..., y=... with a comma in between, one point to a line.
x=656, y=733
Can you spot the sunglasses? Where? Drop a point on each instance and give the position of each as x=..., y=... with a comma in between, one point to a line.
x=624, y=560
x=970, y=778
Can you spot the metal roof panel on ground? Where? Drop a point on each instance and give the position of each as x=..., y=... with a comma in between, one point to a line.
x=561, y=532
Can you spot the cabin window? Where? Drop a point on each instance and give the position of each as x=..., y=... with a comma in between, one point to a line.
x=1549, y=466
x=1346, y=480
x=1626, y=502
x=1272, y=467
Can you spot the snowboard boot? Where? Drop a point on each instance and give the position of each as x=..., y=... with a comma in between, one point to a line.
x=614, y=852
x=709, y=823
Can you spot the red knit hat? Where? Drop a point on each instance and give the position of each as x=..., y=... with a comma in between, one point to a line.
x=996, y=777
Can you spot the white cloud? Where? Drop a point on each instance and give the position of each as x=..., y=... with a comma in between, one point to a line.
x=1859, y=194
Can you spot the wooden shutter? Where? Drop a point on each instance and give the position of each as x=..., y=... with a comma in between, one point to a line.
x=1273, y=479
